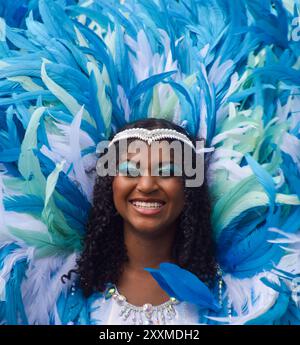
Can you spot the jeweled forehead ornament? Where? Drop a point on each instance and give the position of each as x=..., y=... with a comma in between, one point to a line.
x=150, y=135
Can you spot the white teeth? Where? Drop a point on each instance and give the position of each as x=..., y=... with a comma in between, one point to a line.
x=143, y=204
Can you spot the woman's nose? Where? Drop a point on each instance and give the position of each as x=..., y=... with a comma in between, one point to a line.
x=147, y=184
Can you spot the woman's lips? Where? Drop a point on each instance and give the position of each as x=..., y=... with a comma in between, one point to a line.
x=147, y=211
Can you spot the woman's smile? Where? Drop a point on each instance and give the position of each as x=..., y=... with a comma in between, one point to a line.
x=147, y=207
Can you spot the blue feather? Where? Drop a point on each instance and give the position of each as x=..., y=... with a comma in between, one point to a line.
x=264, y=178
x=147, y=84
x=70, y=307
x=15, y=312
x=16, y=37
x=24, y=204
x=63, y=117
x=182, y=89
x=10, y=155
x=183, y=285
x=95, y=107
x=56, y=21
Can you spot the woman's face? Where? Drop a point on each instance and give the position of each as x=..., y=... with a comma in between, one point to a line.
x=148, y=204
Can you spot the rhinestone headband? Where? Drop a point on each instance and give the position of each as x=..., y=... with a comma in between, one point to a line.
x=151, y=135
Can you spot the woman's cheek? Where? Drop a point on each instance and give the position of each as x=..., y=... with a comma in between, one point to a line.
x=122, y=188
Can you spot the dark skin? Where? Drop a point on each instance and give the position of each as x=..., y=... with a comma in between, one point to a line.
x=148, y=237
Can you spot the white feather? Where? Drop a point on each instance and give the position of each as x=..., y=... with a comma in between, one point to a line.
x=250, y=297
x=2, y=223
x=8, y=264
x=236, y=173
x=227, y=134
x=123, y=102
x=75, y=155
x=217, y=72
x=43, y=286
x=291, y=145
x=143, y=60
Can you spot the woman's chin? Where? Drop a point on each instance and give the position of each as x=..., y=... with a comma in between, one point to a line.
x=147, y=228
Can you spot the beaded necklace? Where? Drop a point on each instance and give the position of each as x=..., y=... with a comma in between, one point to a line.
x=146, y=314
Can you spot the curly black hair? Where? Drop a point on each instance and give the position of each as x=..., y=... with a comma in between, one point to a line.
x=104, y=253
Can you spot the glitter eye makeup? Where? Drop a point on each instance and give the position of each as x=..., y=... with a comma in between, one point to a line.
x=169, y=170
x=128, y=169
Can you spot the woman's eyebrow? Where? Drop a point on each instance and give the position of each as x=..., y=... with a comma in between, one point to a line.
x=128, y=160
x=162, y=164
x=128, y=156
x=167, y=161
x=171, y=161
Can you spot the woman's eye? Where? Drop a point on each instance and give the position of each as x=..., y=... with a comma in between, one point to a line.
x=168, y=170
x=129, y=170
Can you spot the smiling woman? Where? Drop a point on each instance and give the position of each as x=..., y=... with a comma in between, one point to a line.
x=141, y=220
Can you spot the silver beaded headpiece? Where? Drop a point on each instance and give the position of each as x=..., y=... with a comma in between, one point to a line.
x=150, y=135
